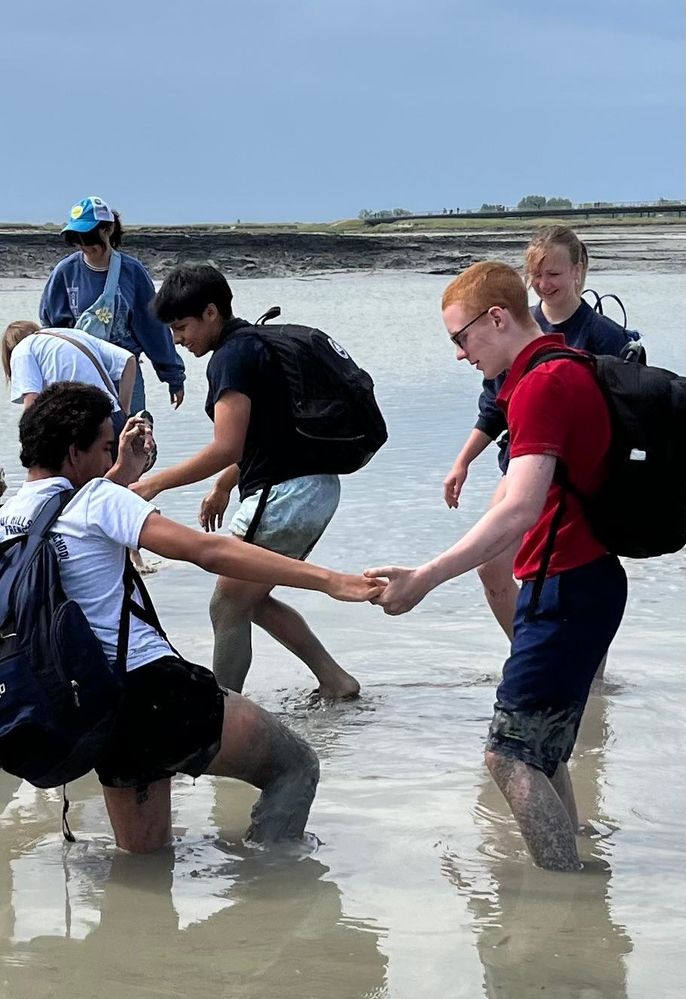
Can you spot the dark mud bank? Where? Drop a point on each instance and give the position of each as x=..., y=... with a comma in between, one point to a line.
x=32, y=253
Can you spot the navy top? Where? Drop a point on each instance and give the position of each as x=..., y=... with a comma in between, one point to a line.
x=73, y=286
x=585, y=329
x=243, y=363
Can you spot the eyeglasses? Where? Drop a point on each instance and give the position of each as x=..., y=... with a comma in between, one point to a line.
x=456, y=337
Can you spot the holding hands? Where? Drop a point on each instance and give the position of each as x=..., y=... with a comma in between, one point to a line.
x=404, y=590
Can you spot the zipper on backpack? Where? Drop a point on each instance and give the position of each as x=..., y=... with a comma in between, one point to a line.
x=75, y=693
x=316, y=437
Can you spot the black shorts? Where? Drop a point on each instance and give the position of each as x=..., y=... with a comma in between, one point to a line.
x=170, y=722
x=543, y=738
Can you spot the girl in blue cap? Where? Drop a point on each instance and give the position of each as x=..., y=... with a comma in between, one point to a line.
x=107, y=293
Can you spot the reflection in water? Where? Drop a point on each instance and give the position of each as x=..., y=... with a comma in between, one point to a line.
x=540, y=932
x=210, y=918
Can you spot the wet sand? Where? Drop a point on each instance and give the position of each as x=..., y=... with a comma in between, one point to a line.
x=417, y=883
x=33, y=252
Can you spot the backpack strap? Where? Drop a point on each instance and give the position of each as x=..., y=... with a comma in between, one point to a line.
x=560, y=477
x=107, y=381
x=147, y=613
x=257, y=516
x=49, y=512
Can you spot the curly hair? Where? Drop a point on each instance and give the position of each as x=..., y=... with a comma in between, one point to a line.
x=64, y=414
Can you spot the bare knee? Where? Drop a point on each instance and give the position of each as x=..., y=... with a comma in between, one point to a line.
x=140, y=817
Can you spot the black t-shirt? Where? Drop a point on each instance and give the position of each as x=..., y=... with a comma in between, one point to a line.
x=242, y=363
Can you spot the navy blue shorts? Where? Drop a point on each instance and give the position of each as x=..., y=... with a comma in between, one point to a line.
x=555, y=654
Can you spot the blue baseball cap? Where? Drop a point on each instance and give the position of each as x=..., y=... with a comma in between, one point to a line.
x=87, y=214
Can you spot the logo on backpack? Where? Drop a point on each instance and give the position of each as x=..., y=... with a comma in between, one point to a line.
x=341, y=351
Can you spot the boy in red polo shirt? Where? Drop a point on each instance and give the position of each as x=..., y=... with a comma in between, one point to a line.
x=554, y=412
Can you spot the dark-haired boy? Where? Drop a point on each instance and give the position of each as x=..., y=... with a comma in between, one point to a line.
x=252, y=447
x=175, y=717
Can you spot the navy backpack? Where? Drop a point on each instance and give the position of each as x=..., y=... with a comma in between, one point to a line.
x=59, y=694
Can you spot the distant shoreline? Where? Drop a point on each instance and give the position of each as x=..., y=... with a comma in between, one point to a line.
x=302, y=249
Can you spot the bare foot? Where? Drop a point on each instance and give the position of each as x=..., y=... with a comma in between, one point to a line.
x=343, y=687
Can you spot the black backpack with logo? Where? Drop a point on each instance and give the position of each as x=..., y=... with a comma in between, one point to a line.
x=337, y=422
x=640, y=510
x=59, y=694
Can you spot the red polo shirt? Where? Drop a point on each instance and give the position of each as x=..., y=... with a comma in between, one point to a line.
x=558, y=409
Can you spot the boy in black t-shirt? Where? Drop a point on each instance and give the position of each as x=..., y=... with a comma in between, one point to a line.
x=248, y=405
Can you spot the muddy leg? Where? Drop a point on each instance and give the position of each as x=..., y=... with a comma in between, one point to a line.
x=562, y=783
x=539, y=812
x=231, y=616
x=258, y=749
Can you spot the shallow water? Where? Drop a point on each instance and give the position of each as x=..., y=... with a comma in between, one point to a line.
x=419, y=885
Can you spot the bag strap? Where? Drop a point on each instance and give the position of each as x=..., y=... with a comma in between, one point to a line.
x=257, y=516
x=91, y=357
x=147, y=613
x=49, y=512
x=113, y=272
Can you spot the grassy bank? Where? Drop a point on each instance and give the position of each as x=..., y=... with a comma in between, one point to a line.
x=440, y=224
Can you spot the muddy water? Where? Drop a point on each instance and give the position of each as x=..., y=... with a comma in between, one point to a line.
x=414, y=881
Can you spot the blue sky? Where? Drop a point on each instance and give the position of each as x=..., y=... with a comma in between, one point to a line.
x=212, y=110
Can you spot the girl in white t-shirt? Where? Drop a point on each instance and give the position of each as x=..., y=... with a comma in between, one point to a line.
x=33, y=358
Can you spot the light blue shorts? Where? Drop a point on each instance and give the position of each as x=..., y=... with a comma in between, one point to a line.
x=295, y=517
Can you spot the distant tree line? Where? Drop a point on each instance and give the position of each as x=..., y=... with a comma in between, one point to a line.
x=385, y=213
x=531, y=202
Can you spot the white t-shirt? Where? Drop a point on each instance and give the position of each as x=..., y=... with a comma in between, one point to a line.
x=40, y=360
x=91, y=538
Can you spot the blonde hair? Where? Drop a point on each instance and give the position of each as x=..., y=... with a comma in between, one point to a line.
x=488, y=283
x=556, y=235
x=14, y=334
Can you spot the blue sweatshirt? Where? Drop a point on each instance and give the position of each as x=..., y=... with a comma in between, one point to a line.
x=73, y=286
x=585, y=329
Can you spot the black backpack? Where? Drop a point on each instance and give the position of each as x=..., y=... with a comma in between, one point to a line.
x=640, y=511
x=337, y=423
x=59, y=694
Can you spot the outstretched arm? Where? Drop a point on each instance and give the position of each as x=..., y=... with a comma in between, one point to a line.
x=231, y=418
x=229, y=556
x=527, y=483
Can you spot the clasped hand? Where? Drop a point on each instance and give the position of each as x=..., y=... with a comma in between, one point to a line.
x=405, y=589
